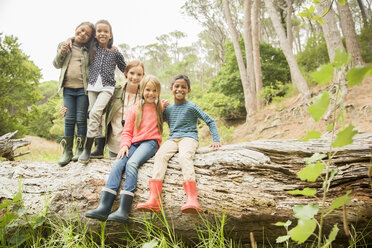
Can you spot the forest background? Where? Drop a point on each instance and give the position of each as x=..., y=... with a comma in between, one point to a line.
x=250, y=55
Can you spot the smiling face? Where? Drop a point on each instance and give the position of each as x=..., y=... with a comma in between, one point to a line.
x=134, y=75
x=150, y=93
x=180, y=89
x=103, y=34
x=83, y=34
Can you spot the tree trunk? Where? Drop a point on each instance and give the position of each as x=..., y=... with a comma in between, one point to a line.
x=248, y=46
x=247, y=181
x=8, y=146
x=363, y=12
x=249, y=96
x=296, y=74
x=348, y=29
x=289, y=23
x=330, y=30
x=256, y=51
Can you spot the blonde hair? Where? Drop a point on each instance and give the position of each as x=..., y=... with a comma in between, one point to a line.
x=159, y=111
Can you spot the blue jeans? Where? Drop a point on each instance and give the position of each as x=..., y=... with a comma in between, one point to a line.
x=77, y=104
x=139, y=153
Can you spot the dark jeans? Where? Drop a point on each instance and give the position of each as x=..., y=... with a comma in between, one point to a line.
x=77, y=104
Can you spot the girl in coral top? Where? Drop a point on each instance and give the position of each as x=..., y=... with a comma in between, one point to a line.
x=141, y=138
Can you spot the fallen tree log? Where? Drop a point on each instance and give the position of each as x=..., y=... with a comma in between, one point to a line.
x=9, y=145
x=247, y=181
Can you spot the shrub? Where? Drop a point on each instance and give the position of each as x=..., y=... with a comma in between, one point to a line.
x=365, y=40
x=314, y=54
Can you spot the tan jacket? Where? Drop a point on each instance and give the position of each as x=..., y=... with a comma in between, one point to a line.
x=62, y=62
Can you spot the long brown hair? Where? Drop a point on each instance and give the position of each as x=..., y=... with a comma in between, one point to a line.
x=159, y=111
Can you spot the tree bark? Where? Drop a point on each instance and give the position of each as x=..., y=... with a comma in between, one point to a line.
x=363, y=12
x=248, y=46
x=9, y=145
x=296, y=74
x=249, y=96
x=289, y=10
x=330, y=30
x=247, y=181
x=256, y=51
x=348, y=29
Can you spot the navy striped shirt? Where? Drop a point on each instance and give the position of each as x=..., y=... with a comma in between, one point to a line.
x=182, y=120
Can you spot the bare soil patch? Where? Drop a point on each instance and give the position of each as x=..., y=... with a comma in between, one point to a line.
x=285, y=120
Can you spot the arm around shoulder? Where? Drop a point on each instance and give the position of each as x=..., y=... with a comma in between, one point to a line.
x=120, y=61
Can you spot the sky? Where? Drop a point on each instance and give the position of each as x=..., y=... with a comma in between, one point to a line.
x=40, y=25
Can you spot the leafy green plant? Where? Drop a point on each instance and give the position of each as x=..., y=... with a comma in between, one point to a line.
x=365, y=40
x=226, y=94
x=275, y=92
x=307, y=222
x=47, y=121
x=314, y=54
x=19, y=79
x=226, y=133
x=17, y=227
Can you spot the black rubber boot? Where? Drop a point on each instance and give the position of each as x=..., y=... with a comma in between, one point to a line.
x=85, y=156
x=99, y=147
x=104, y=207
x=79, y=147
x=122, y=213
x=67, y=144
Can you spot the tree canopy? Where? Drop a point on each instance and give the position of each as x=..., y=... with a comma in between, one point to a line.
x=19, y=78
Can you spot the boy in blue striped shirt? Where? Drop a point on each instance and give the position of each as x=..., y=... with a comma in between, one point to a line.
x=182, y=119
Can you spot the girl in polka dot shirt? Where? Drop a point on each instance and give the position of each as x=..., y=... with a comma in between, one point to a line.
x=101, y=82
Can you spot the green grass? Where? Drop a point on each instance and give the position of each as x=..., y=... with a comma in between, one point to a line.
x=19, y=229
x=40, y=150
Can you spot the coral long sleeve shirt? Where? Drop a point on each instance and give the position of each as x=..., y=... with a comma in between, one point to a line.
x=148, y=129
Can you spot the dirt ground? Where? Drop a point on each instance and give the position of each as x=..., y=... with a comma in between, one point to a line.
x=290, y=120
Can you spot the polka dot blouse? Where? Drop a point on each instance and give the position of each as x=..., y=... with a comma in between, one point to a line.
x=104, y=64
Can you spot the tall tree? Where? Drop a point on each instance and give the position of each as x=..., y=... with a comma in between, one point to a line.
x=175, y=38
x=256, y=50
x=212, y=20
x=19, y=78
x=363, y=12
x=348, y=29
x=296, y=74
x=248, y=46
x=289, y=10
x=330, y=30
x=249, y=94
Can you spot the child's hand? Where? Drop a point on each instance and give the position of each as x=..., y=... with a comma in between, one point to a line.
x=215, y=145
x=164, y=104
x=64, y=48
x=63, y=111
x=123, y=150
x=67, y=46
x=114, y=48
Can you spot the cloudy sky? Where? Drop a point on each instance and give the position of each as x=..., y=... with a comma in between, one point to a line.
x=41, y=24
